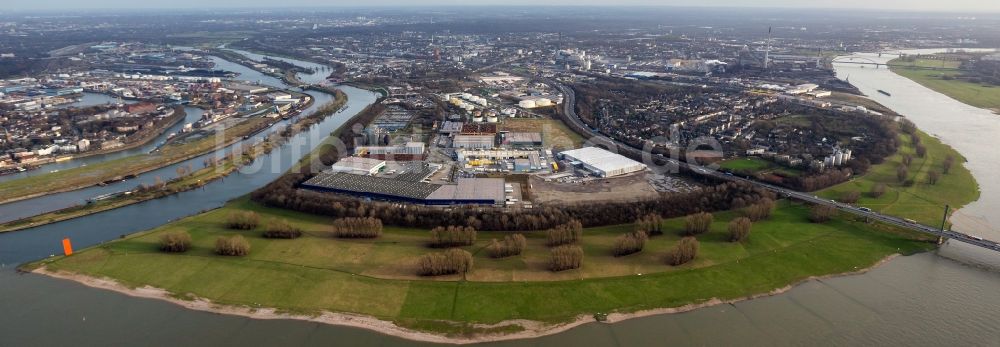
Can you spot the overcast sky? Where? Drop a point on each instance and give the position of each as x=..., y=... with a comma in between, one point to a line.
x=907, y=5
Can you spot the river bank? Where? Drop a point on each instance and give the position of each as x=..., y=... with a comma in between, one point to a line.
x=116, y=170
x=193, y=180
x=525, y=329
x=489, y=305
x=943, y=76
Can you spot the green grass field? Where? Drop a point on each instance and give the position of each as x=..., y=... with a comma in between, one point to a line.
x=978, y=95
x=375, y=277
x=758, y=165
x=922, y=202
x=751, y=164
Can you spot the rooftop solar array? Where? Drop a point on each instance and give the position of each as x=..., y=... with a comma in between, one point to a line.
x=372, y=185
x=468, y=190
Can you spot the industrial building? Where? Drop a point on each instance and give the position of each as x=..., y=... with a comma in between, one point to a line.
x=474, y=141
x=467, y=191
x=358, y=166
x=522, y=140
x=602, y=163
x=409, y=151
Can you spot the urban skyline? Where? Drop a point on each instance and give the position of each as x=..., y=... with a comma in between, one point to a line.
x=957, y=6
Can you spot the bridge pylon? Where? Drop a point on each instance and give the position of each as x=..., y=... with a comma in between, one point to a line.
x=944, y=223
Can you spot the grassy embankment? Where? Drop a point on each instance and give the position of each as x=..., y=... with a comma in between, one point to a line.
x=922, y=71
x=922, y=202
x=376, y=277
x=186, y=182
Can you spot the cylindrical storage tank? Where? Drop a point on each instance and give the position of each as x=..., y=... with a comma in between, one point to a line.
x=526, y=103
x=492, y=119
x=477, y=119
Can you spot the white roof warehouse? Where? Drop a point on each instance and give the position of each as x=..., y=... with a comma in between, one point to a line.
x=603, y=163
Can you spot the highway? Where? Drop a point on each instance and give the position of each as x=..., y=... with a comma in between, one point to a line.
x=569, y=100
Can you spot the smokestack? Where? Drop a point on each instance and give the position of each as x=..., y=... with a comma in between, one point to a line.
x=767, y=51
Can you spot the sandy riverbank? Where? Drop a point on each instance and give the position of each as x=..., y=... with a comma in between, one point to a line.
x=532, y=329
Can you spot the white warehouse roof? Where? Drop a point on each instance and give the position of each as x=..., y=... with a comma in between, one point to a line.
x=358, y=166
x=603, y=162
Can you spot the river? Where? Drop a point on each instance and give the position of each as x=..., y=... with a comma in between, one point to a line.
x=924, y=299
x=56, y=201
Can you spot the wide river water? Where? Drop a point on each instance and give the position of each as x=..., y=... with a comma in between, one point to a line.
x=926, y=299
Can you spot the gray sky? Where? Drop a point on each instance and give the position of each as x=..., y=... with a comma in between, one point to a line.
x=906, y=5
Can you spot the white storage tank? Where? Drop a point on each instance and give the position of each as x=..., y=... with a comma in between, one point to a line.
x=477, y=119
x=492, y=119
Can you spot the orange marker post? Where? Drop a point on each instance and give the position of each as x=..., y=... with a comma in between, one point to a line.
x=67, y=247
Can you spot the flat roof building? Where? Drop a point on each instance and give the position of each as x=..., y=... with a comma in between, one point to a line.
x=358, y=166
x=467, y=191
x=522, y=139
x=603, y=163
x=409, y=151
x=474, y=141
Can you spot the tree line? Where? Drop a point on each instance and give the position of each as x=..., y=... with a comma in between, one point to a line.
x=284, y=193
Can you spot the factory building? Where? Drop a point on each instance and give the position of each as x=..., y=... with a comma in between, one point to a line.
x=467, y=191
x=358, y=166
x=409, y=151
x=522, y=140
x=474, y=141
x=602, y=163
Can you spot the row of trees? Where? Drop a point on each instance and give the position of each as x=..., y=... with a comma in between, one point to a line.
x=449, y=262
x=180, y=241
x=453, y=236
x=284, y=193
x=510, y=246
x=564, y=234
x=357, y=228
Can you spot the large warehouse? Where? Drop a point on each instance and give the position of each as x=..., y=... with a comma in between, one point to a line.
x=468, y=191
x=603, y=163
x=358, y=166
